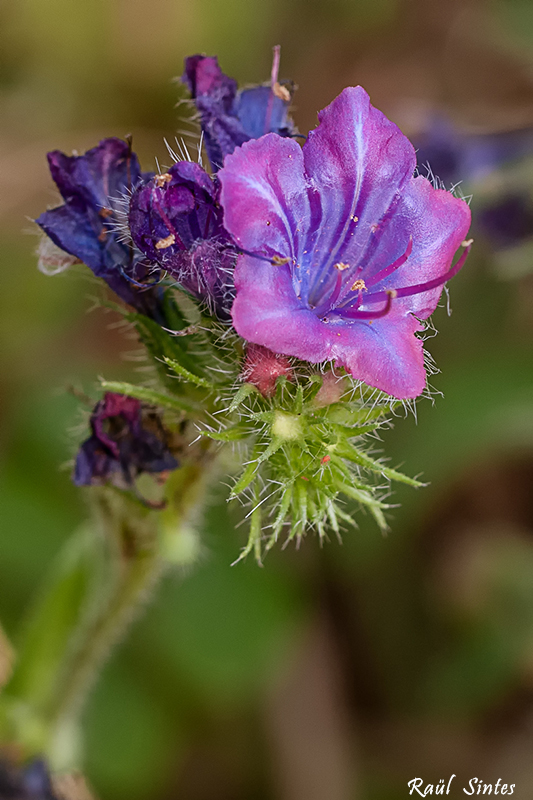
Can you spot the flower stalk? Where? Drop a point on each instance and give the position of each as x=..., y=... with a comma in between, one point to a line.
x=42, y=704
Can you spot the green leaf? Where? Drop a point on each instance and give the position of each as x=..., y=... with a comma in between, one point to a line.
x=283, y=510
x=149, y=396
x=272, y=448
x=176, y=367
x=345, y=450
x=232, y=434
x=365, y=498
x=245, y=391
x=254, y=537
x=245, y=480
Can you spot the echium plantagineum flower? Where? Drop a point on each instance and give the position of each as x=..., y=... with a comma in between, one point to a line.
x=176, y=222
x=345, y=251
x=95, y=187
x=229, y=117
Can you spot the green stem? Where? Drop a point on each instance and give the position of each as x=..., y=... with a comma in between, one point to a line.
x=143, y=541
x=90, y=602
x=132, y=590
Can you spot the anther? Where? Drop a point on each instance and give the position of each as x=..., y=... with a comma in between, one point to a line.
x=106, y=212
x=162, y=244
x=341, y=266
x=358, y=286
x=278, y=261
x=161, y=180
x=281, y=91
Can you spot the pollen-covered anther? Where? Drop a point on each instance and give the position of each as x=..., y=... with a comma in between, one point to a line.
x=358, y=286
x=161, y=180
x=278, y=261
x=106, y=212
x=392, y=293
x=162, y=244
x=467, y=243
x=341, y=266
x=282, y=92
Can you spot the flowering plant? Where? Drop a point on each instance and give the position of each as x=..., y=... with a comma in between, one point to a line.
x=279, y=293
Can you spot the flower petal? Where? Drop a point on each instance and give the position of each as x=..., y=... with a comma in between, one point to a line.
x=264, y=196
x=437, y=222
x=383, y=353
x=358, y=162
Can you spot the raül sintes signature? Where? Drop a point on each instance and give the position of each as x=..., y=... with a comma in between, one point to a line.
x=475, y=786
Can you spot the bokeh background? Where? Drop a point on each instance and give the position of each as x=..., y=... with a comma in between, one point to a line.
x=337, y=672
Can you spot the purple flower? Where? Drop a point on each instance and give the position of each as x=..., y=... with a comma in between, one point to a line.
x=124, y=442
x=228, y=117
x=505, y=219
x=345, y=251
x=508, y=220
x=176, y=221
x=454, y=155
x=94, y=187
x=29, y=783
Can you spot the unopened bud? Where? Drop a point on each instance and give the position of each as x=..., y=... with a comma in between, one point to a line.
x=262, y=368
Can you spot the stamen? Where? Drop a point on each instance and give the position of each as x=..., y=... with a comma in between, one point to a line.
x=384, y=273
x=358, y=286
x=275, y=65
x=420, y=288
x=341, y=266
x=277, y=90
x=355, y=313
x=173, y=231
x=162, y=244
x=278, y=261
x=282, y=92
x=161, y=180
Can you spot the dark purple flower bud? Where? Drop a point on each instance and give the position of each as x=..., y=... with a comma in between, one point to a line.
x=30, y=783
x=230, y=117
x=176, y=221
x=454, y=155
x=126, y=440
x=508, y=220
x=345, y=251
x=95, y=188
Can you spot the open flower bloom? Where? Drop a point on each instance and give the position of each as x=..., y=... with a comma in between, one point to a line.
x=176, y=221
x=344, y=250
x=124, y=442
x=94, y=187
x=229, y=117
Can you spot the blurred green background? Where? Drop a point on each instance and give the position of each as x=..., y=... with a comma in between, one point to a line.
x=337, y=672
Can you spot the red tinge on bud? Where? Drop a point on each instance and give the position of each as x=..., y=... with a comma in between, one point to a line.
x=262, y=368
